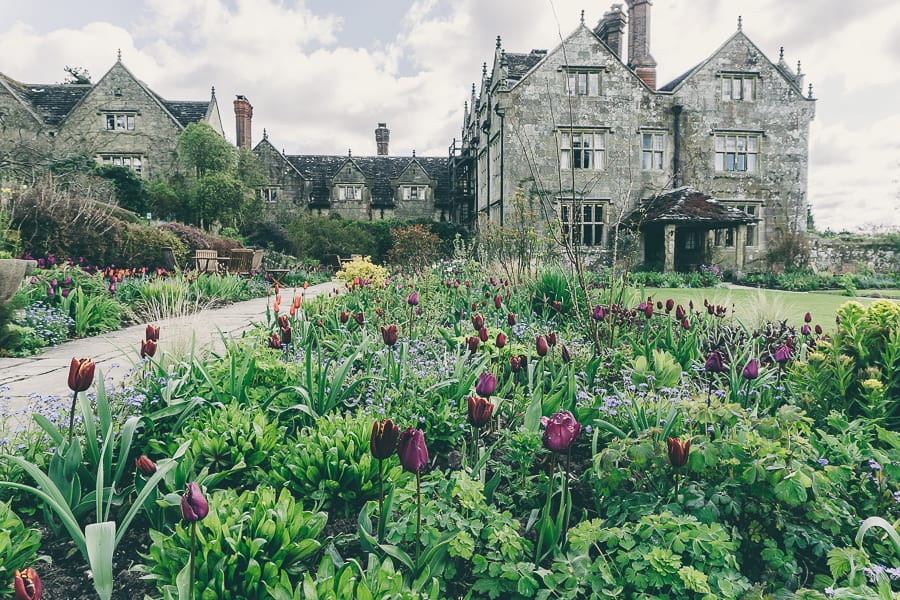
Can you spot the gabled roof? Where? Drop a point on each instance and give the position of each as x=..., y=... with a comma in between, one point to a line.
x=686, y=205
x=186, y=111
x=381, y=173
x=520, y=64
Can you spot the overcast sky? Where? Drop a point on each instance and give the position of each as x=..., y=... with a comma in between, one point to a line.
x=322, y=73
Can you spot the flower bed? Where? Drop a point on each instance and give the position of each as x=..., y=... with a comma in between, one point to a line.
x=452, y=435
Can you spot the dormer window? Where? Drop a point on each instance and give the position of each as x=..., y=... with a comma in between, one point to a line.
x=413, y=192
x=349, y=192
x=582, y=82
x=120, y=121
x=738, y=87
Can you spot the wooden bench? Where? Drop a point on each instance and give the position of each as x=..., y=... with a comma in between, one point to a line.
x=206, y=261
x=241, y=260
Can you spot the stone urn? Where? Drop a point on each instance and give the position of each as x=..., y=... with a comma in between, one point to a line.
x=12, y=272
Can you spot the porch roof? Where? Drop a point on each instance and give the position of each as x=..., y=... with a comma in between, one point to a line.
x=686, y=206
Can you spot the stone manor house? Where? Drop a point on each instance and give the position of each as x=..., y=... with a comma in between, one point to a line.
x=708, y=168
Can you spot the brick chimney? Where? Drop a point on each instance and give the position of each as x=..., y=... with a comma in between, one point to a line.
x=639, y=57
x=611, y=29
x=243, y=119
x=382, y=137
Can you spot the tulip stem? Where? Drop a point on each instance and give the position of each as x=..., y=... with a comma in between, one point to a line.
x=72, y=417
x=380, y=501
x=418, y=514
x=193, y=555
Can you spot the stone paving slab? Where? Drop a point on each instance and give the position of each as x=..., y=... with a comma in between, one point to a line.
x=24, y=381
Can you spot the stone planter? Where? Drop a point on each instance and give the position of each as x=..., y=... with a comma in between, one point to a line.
x=12, y=272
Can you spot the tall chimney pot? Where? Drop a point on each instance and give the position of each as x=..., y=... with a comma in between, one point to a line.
x=243, y=120
x=639, y=57
x=382, y=138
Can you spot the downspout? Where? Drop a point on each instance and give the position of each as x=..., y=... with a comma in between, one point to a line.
x=502, y=159
x=676, y=153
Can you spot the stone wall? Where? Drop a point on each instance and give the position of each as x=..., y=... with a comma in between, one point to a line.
x=851, y=254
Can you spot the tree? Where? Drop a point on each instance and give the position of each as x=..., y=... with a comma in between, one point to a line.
x=129, y=187
x=205, y=150
x=77, y=75
x=218, y=196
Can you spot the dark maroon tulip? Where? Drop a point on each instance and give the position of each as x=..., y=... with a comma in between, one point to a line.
x=360, y=318
x=805, y=330
x=480, y=411
x=691, y=304
x=194, y=506
x=648, y=309
x=413, y=299
x=478, y=321
x=275, y=341
x=389, y=334
x=659, y=304
x=670, y=304
x=710, y=309
x=383, y=441
x=818, y=329
x=498, y=301
x=678, y=451
x=344, y=316
x=511, y=319
x=472, y=344
x=286, y=335
x=686, y=324
x=807, y=318
x=516, y=363
x=27, y=585
x=284, y=321
x=714, y=362
x=148, y=348
x=782, y=354
x=145, y=466
x=551, y=339
x=152, y=333
x=541, y=346
x=81, y=374
x=501, y=340
x=566, y=355
x=556, y=305
x=560, y=431
x=680, y=314
x=751, y=369
x=487, y=385
x=483, y=334
x=412, y=450
x=599, y=313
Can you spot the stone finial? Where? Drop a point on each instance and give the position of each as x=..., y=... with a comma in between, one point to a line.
x=213, y=91
x=414, y=152
x=265, y=134
x=781, y=54
x=798, y=68
x=349, y=153
x=119, y=55
x=498, y=42
x=582, y=16
x=810, y=94
x=473, y=88
x=484, y=69
x=740, y=23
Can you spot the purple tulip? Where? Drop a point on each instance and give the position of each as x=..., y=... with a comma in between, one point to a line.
x=487, y=385
x=599, y=313
x=680, y=314
x=560, y=431
x=412, y=450
x=714, y=362
x=413, y=299
x=807, y=318
x=501, y=340
x=566, y=355
x=782, y=354
x=751, y=369
x=194, y=506
x=818, y=329
x=806, y=329
x=541, y=346
x=517, y=362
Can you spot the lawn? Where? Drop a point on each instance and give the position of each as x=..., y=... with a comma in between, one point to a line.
x=753, y=306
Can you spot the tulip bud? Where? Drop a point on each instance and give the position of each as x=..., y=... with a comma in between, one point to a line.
x=686, y=324
x=501, y=340
x=483, y=334
x=556, y=305
x=360, y=318
x=751, y=369
x=383, y=440
x=27, y=585
x=148, y=348
x=480, y=411
x=807, y=318
x=487, y=385
x=818, y=329
x=413, y=299
x=648, y=310
x=599, y=313
x=472, y=344
x=806, y=329
x=275, y=341
x=145, y=466
x=498, y=301
x=194, y=506
x=511, y=319
x=678, y=451
x=389, y=334
x=477, y=321
x=286, y=335
x=541, y=346
x=284, y=321
x=551, y=339
x=680, y=313
x=412, y=450
x=566, y=355
x=560, y=431
x=152, y=333
x=344, y=317
x=81, y=374
x=517, y=362
x=670, y=304
x=714, y=362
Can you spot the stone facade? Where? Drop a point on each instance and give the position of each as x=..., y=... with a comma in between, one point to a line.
x=118, y=120
x=855, y=253
x=587, y=134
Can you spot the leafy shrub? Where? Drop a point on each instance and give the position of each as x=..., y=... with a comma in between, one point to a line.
x=552, y=285
x=414, y=247
x=378, y=579
x=142, y=246
x=194, y=238
x=247, y=541
x=330, y=463
x=273, y=236
x=18, y=545
x=363, y=269
x=321, y=237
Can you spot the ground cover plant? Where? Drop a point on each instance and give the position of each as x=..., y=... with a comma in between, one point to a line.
x=453, y=434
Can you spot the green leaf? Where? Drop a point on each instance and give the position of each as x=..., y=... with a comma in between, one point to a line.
x=100, y=541
x=790, y=491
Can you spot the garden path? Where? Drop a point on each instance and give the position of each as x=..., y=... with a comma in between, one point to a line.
x=24, y=382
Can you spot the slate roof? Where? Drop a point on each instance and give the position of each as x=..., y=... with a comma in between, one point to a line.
x=685, y=205
x=677, y=81
x=520, y=64
x=381, y=173
x=186, y=111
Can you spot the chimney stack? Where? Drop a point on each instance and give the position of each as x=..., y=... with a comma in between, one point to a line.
x=611, y=29
x=639, y=57
x=382, y=137
x=243, y=119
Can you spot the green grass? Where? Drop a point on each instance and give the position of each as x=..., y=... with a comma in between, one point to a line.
x=753, y=306
x=892, y=294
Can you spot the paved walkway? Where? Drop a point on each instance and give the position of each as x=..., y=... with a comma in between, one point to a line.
x=24, y=381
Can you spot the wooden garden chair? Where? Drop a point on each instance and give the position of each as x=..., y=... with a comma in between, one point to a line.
x=207, y=261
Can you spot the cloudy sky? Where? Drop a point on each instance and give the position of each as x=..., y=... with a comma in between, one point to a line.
x=322, y=73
